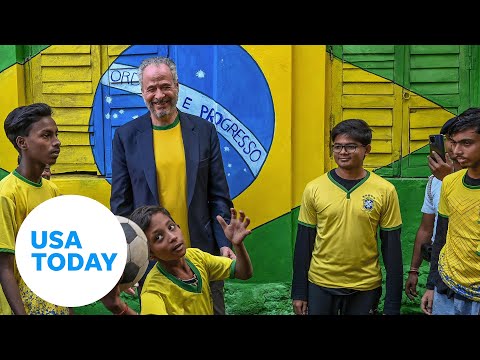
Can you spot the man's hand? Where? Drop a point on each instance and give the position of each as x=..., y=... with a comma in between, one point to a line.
x=227, y=252
x=300, y=307
x=427, y=302
x=440, y=168
x=411, y=285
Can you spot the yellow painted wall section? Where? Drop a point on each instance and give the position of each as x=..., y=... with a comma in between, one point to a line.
x=269, y=196
x=93, y=187
x=274, y=184
x=308, y=117
x=13, y=90
x=65, y=77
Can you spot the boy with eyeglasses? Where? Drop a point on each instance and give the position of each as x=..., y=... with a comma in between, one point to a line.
x=336, y=266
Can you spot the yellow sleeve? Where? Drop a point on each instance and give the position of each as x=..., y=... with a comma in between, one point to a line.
x=152, y=305
x=218, y=267
x=56, y=191
x=308, y=214
x=391, y=217
x=7, y=225
x=443, y=209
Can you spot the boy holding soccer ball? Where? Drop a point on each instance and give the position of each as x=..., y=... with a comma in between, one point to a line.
x=179, y=282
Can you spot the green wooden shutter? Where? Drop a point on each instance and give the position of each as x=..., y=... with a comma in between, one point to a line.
x=440, y=74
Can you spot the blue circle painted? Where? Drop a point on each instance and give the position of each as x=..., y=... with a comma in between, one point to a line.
x=220, y=83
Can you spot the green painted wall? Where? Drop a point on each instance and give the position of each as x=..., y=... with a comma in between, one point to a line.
x=12, y=54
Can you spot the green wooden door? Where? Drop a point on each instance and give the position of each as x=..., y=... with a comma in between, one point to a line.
x=435, y=84
x=440, y=75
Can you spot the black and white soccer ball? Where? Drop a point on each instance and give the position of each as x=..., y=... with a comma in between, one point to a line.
x=137, y=253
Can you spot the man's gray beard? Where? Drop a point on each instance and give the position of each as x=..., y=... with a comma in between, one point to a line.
x=162, y=113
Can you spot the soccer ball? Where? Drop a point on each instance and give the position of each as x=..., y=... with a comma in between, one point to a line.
x=137, y=253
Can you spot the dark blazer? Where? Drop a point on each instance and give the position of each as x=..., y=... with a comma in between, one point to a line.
x=134, y=180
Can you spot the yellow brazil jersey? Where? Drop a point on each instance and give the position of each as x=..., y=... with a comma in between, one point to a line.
x=345, y=253
x=171, y=173
x=18, y=197
x=459, y=264
x=164, y=294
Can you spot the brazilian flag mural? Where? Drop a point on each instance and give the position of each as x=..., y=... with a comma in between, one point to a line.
x=273, y=107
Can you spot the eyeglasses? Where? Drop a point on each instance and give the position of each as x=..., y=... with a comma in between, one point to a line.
x=349, y=148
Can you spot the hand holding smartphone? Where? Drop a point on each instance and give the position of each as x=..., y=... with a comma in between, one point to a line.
x=437, y=144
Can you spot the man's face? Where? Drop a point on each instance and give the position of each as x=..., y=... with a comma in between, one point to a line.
x=465, y=146
x=42, y=143
x=159, y=91
x=165, y=239
x=349, y=153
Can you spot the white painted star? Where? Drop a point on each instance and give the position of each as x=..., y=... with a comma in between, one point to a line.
x=121, y=111
x=134, y=116
x=107, y=116
x=226, y=148
x=228, y=174
x=108, y=99
x=244, y=169
x=200, y=74
x=229, y=165
x=115, y=116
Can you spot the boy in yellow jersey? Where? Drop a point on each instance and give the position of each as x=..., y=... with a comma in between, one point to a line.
x=426, y=231
x=454, y=280
x=33, y=132
x=336, y=266
x=179, y=283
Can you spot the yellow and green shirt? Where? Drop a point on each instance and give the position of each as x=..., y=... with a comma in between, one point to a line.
x=164, y=294
x=18, y=197
x=171, y=168
x=459, y=263
x=345, y=253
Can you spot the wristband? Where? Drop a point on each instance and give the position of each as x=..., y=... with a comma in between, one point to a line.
x=124, y=310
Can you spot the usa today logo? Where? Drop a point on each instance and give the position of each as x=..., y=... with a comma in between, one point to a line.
x=71, y=250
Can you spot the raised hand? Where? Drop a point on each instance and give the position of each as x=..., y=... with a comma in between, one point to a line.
x=440, y=168
x=237, y=230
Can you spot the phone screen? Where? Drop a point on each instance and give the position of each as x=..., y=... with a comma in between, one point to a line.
x=437, y=144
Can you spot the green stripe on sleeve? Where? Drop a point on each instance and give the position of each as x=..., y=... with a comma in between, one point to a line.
x=391, y=229
x=313, y=226
x=232, y=269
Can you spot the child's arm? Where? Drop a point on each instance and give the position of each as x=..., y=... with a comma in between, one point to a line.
x=115, y=304
x=9, y=283
x=236, y=232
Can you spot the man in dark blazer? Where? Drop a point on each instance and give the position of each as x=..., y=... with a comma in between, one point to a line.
x=197, y=171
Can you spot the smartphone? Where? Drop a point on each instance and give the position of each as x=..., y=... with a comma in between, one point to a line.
x=437, y=144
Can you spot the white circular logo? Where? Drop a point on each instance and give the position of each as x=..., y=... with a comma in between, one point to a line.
x=71, y=250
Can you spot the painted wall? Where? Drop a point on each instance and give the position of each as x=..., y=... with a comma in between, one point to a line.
x=93, y=90
x=278, y=100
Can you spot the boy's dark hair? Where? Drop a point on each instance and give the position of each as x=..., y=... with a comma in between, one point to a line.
x=469, y=119
x=357, y=129
x=142, y=215
x=21, y=119
x=448, y=124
